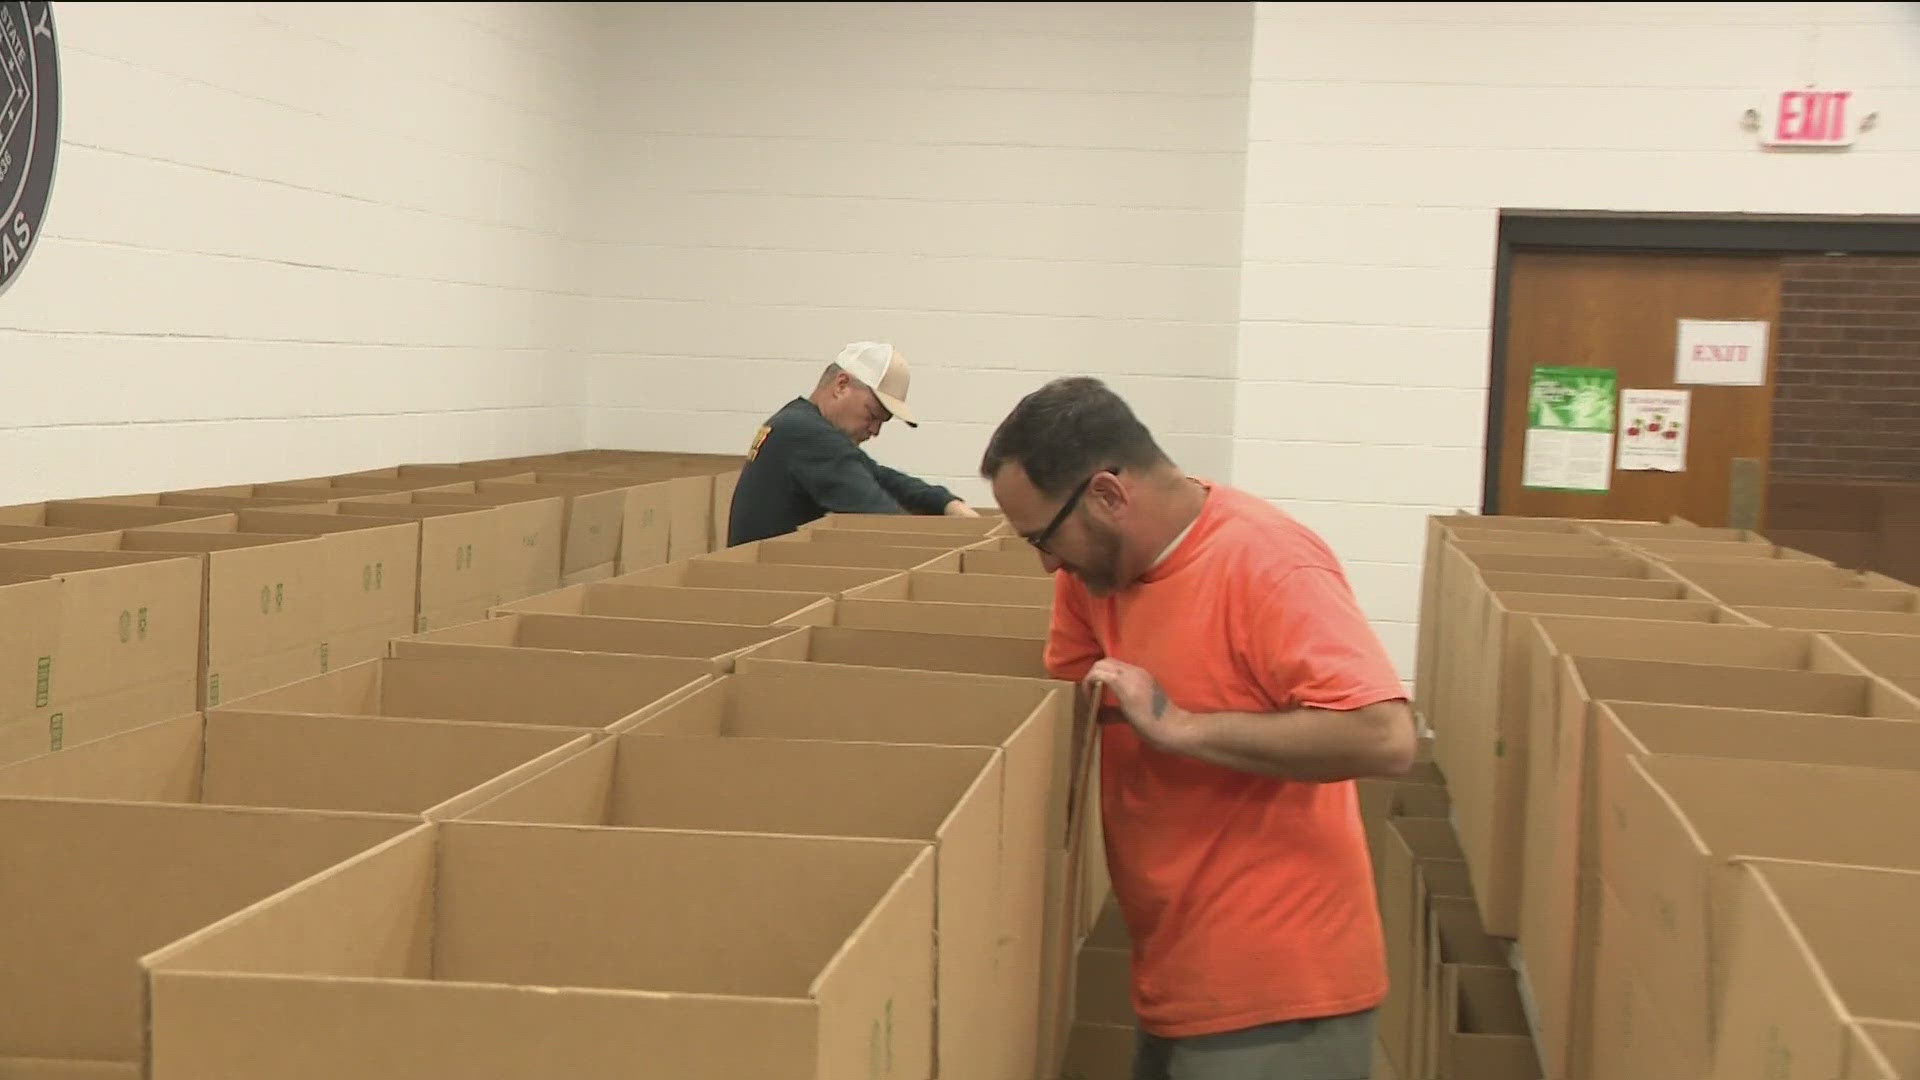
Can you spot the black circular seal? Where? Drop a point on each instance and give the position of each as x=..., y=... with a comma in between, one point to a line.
x=29, y=127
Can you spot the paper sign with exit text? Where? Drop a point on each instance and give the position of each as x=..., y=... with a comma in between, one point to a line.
x=1718, y=353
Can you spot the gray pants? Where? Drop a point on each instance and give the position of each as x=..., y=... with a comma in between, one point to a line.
x=1332, y=1048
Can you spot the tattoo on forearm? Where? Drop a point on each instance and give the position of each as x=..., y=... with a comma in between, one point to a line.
x=1159, y=702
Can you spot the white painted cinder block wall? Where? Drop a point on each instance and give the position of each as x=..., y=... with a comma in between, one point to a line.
x=1383, y=140
x=1009, y=192
x=288, y=239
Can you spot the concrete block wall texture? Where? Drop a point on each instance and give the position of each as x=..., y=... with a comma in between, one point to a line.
x=332, y=236
x=296, y=238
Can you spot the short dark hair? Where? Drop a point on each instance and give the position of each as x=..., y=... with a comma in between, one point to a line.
x=1066, y=431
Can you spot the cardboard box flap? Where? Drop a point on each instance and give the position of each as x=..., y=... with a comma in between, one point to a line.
x=44, y=1069
x=926, y=652
x=74, y=933
x=157, y=762
x=721, y=574
x=744, y=607
x=1892, y=1047
x=926, y=586
x=98, y=516
x=917, y=523
x=1866, y=622
x=1610, y=607
x=1828, y=598
x=987, y=620
x=852, y=705
x=1610, y=679
x=576, y=690
x=1605, y=562
x=1812, y=738
x=592, y=633
x=1720, y=645
x=1887, y=655
x=1507, y=581
x=874, y=538
x=1003, y=564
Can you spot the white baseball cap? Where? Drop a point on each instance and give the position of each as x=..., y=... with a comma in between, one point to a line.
x=884, y=371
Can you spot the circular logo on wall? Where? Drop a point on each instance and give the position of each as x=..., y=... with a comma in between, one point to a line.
x=29, y=127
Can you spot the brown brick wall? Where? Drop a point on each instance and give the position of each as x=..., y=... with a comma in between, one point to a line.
x=1847, y=396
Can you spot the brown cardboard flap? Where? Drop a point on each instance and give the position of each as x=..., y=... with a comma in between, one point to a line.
x=743, y=607
x=43, y=1069
x=1884, y=1048
x=875, y=538
x=933, y=524
x=1858, y=598
x=927, y=586
x=1486, y=1031
x=722, y=574
x=1887, y=655
x=1003, y=563
x=574, y=690
x=588, y=633
x=1576, y=585
x=73, y=932
x=126, y=619
x=983, y=620
x=972, y=654
x=157, y=762
x=1721, y=646
x=1868, y=622
x=1811, y=738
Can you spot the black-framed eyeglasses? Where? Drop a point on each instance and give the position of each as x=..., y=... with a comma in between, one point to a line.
x=1039, y=540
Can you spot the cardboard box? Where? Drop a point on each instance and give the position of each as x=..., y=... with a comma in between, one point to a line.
x=689, y=502
x=569, y=690
x=1455, y=938
x=97, y=517
x=1825, y=598
x=128, y=623
x=967, y=653
x=741, y=607
x=1026, y=720
x=460, y=555
x=933, y=587
x=1814, y=948
x=723, y=487
x=1003, y=563
x=413, y=767
x=1419, y=794
x=878, y=538
x=92, y=886
x=717, y=644
x=530, y=544
x=369, y=581
x=1683, y=817
x=1422, y=858
x=950, y=797
x=932, y=524
x=1480, y=715
x=985, y=620
x=595, y=513
x=788, y=551
x=1485, y=1034
x=1557, y=928
x=774, y=577
x=1862, y=622
x=521, y=950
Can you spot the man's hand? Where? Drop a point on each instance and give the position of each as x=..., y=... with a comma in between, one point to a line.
x=956, y=508
x=1144, y=704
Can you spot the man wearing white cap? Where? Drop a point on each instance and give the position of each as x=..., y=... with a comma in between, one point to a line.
x=806, y=460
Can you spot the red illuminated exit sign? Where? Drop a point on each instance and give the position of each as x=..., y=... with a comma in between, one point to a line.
x=1813, y=118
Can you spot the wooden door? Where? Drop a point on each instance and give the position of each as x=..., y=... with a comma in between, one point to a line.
x=1622, y=311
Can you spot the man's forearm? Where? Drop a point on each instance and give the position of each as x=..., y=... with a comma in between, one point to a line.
x=1317, y=745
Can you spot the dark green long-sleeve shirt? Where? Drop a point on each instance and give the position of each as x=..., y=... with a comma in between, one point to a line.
x=801, y=468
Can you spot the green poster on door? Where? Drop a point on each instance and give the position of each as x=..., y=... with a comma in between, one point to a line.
x=1570, y=422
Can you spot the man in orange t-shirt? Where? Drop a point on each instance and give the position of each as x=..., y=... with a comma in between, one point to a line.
x=1245, y=692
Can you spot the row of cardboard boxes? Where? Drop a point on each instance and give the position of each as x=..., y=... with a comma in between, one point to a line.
x=715, y=829
x=178, y=601
x=1681, y=763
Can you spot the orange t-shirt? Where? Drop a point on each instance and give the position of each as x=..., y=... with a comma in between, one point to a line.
x=1250, y=899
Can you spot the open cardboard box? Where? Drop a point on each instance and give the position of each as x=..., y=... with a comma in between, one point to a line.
x=1027, y=720
x=933, y=524
x=126, y=640
x=1859, y=622
x=1421, y=793
x=1815, y=948
x=1682, y=818
x=1484, y=1033
x=718, y=644
x=741, y=607
x=718, y=573
x=596, y=514
x=103, y=517
x=984, y=620
x=452, y=577
x=689, y=507
x=934, y=587
x=535, y=950
x=1479, y=716
x=1459, y=1029
x=525, y=686
x=1557, y=924
x=531, y=540
x=1422, y=859
x=90, y=887
x=968, y=653
x=948, y=796
x=369, y=579
x=1003, y=563
x=876, y=538
x=415, y=767
x=794, y=551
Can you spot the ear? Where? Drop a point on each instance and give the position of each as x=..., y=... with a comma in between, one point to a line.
x=1108, y=495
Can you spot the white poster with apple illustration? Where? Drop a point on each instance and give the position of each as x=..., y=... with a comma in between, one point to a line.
x=1653, y=430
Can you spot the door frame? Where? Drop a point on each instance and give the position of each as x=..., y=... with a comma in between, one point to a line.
x=1663, y=233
